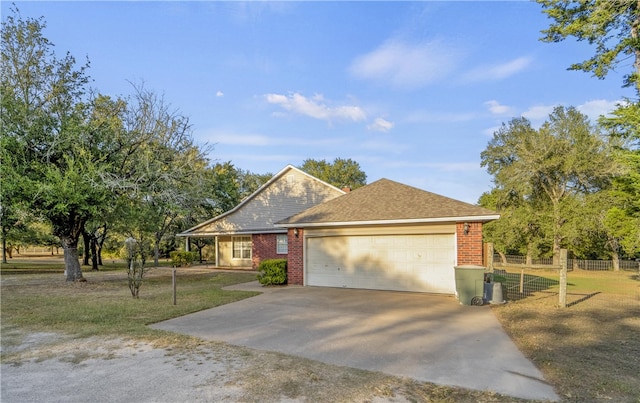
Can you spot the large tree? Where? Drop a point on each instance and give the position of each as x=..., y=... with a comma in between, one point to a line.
x=523, y=225
x=43, y=114
x=165, y=176
x=342, y=173
x=613, y=26
x=552, y=165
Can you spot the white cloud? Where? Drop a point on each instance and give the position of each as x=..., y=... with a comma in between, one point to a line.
x=261, y=140
x=489, y=132
x=538, y=112
x=594, y=109
x=384, y=146
x=219, y=94
x=497, y=71
x=238, y=139
x=497, y=109
x=440, y=166
x=428, y=116
x=316, y=107
x=404, y=65
x=380, y=125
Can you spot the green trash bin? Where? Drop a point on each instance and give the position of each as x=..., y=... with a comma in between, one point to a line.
x=470, y=284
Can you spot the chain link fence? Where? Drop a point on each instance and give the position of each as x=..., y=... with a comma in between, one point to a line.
x=588, y=281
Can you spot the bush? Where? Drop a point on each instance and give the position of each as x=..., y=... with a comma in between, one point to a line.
x=180, y=258
x=273, y=272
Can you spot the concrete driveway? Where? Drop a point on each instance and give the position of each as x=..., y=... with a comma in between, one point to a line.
x=425, y=337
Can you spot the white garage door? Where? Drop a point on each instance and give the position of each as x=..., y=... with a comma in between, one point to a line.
x=423, y=263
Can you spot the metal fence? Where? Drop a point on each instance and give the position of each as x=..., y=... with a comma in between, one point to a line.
x=593, y=265
x=588, y=282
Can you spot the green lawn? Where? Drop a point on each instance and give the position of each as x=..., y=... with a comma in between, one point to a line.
x=103, y=305
x=617, y=285
x=55, y=264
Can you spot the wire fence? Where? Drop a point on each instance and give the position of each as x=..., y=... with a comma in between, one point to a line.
x=588, y=282
x=594, y=265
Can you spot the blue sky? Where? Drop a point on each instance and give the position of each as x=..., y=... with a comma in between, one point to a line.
x=412, y=91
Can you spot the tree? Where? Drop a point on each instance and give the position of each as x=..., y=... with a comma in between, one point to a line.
x=551, y=166
x=612, y=26
x=166, y=178
x=42, y=122
x=522, y=226
x=341, y=173
x=248, y=182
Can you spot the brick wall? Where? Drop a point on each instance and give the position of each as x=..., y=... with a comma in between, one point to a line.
x=263, y=246
x=469, y=245
x=295, y=263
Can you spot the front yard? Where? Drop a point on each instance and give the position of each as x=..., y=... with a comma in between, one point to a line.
x=588, y=351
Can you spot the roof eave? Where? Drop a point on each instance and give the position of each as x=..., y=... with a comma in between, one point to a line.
x=483, y=218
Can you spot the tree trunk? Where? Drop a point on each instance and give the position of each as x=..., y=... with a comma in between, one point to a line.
x=156, y=252
x=4, y=248
x=615, y=259
x=101, y=244
x=556, y=251
x=72, y=269
x=503, y=257
x=94, y=254
x=86, y=240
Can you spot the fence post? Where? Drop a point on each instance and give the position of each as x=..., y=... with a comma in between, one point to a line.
x=563, y=278
x=521, y=281
x=173, y=285
x=490, y=251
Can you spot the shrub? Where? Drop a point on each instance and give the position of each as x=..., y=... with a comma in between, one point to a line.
x=272, y=272
x=181, y=258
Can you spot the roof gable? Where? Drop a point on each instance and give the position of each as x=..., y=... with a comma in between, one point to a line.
x=389, y=201
x=287, y=193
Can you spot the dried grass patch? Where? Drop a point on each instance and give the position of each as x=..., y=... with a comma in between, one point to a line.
x=589, y=351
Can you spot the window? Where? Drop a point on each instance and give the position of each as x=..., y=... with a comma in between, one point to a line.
x=282, y=244
x=241, y=247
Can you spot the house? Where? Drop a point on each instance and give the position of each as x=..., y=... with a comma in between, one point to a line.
x=386, y=236
x=246, y=234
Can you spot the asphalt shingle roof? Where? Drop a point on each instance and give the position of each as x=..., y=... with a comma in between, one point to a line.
x=385, y=200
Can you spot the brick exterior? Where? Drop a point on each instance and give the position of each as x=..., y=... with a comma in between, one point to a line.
x=263, y=246
x=469, y=245
x=295, y=262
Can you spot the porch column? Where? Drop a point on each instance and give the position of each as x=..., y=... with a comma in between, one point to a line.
x=217, y=252
x=187, y=244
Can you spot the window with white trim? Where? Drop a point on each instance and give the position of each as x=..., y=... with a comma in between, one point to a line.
x=241, y=247
x=282, y=244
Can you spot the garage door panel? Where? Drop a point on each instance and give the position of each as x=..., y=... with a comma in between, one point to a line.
x=388, y=262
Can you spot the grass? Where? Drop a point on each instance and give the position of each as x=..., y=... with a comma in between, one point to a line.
x=620, y=286
x=38, y=263
x=588, y=351
x=103, y=305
